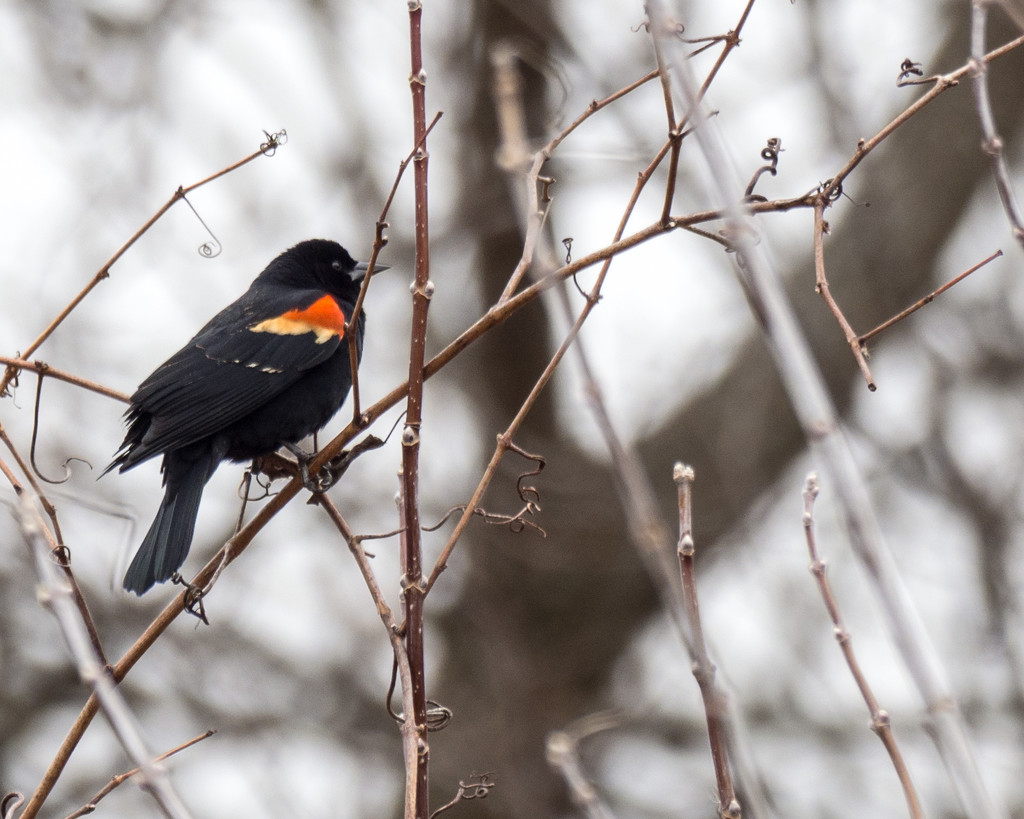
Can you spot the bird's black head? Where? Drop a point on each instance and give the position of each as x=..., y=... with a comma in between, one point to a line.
x=317, y=264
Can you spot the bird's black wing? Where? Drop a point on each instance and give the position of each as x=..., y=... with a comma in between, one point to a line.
x=238, y=362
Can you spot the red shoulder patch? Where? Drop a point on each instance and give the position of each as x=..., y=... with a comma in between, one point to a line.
x=324, y=317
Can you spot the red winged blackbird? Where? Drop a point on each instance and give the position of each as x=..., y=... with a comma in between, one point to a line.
x=265, y=372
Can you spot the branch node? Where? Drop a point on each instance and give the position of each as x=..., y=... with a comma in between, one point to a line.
x=992, y=146
x=682, y=473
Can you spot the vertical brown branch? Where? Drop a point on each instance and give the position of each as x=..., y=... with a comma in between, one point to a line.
x=380, y=239
x=675, y=137
x=703, y=668
x=675, y=129
x=416, y=803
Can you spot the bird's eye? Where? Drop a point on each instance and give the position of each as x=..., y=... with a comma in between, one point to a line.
x=336, y=264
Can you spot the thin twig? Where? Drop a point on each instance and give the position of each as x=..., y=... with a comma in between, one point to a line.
x=379, y=241
x=355, y=546
x=395, y=632
x=926, y=300
x=120, y=779
x=597, y=105
x=880, y=722
x=675, y=136
x=703, y=668
x=992, y=143
x=942, y=84
x=509, y=97
x=821, y=287
x=266, y=149
x=652, y=541
x=43, y=368
x=731, y=40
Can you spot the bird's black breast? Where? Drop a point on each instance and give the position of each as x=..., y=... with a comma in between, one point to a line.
x=306, y=406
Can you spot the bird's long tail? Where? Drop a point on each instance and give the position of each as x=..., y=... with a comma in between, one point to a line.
x=166, y=544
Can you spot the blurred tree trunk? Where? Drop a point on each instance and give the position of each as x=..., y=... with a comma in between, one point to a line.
x=541, y=622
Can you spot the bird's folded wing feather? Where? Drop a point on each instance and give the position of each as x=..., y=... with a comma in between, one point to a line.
x=227, y=372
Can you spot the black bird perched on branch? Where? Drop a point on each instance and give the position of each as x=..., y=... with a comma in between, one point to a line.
x=265, y=372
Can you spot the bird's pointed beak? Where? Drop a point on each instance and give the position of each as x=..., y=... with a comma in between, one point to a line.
x=361, y=267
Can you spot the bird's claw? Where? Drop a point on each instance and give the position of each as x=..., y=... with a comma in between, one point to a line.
x=319, y=483
x=323, y=480
x=330, y=473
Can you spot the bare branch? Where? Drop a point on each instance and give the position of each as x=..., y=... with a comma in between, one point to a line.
x=414, y=728
x=992, y=143
x=43, y=368
x=703, y=668
x=268, y=148
x=942, y=84
x=926, y=300
x=880, y=722
x=821, y=286
x=120, y=779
